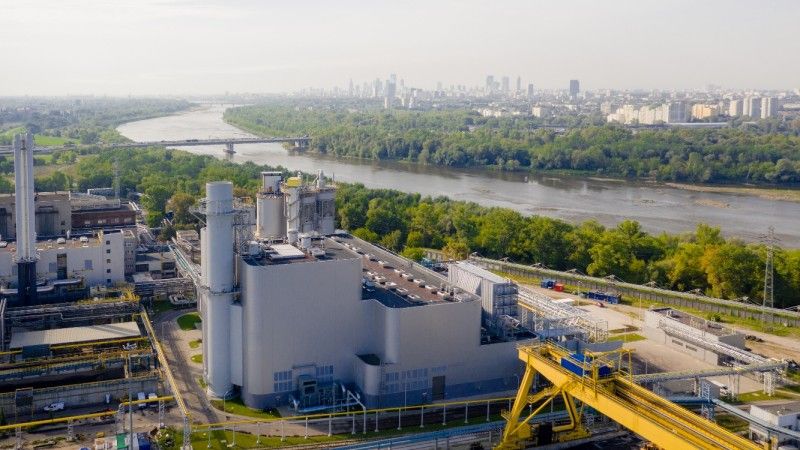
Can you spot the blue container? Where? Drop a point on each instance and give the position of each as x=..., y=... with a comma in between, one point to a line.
x=548, y=284
x=575, y=364
x=144, y=442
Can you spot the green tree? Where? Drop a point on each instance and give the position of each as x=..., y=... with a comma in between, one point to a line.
x=733, y=270
x=180, y=204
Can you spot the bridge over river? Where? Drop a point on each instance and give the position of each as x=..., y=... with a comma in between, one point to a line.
x=299, y=142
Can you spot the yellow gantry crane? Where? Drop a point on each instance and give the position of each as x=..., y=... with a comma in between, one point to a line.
x=599, y=381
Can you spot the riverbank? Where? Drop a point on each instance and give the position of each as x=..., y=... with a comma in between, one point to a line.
x=523, y=173
x=789, y=195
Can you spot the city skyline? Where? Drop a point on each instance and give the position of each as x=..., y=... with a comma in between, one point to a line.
x=160, y=47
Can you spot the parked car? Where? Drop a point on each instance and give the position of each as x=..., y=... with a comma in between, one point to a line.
x=57, y=406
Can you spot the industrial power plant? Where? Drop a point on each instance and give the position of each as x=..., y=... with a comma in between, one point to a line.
x=302, y=314
x=312, y=332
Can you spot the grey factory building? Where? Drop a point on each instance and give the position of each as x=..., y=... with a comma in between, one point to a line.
x=320, y=318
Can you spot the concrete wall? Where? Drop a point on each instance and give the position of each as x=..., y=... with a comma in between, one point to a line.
x=106, y=256
x=419, y=343
x=653, y=332
x=81, y=395
x=297, y=317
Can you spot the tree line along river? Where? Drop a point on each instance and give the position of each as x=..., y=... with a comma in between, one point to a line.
x=574, y=199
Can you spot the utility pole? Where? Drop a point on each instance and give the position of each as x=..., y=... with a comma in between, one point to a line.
x=769, y=282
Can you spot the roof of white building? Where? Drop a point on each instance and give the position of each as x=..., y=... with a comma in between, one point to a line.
x=73, y=335
x=781, y=409
x=481, y=272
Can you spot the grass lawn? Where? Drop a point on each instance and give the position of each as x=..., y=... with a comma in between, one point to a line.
x=188, y=321
x=628, y=337
x=235, y=406
x=731, y=422
x=197, y=358
x=195, y=343
x=759, y=396
x=161, y=306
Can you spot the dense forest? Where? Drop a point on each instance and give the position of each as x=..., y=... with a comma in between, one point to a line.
x=171, y=180
x=461, y=138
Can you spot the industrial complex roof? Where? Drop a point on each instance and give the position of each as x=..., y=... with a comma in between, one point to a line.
x=481, y=272
x=396, y=281
x=73, y=335
x=695, y=322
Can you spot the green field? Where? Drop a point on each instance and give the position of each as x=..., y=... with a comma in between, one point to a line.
x=235, y=406
x=189, y=321
x=39, y=139
x=627, y=337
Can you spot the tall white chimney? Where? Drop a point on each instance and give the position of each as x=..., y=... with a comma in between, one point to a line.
x=217, y=290
x=26, y=255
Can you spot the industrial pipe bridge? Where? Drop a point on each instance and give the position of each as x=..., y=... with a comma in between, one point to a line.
x=597, y=381
x=299, y=142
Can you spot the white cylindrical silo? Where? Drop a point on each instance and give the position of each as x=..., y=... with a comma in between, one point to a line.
x=218, y=286
x=271, y=223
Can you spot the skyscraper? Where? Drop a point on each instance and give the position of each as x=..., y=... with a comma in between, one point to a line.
x=506, y=85
x=519, y=84
x=574, y=88
x=489, y=83
x=530, y=91
x=769, y=107
x=752, y=107
x=388, y=101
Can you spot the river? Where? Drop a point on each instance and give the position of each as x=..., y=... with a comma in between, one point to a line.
x=574, y=199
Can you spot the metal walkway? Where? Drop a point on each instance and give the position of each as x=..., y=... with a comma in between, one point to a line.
x=570, y=316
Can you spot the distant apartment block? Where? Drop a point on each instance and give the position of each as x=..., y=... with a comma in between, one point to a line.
x=735, y=108
x=751, y=107
x=769, y=107
x=673, y=112
x=702, y=111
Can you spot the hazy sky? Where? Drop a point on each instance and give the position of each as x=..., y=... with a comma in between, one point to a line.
x=135, y=47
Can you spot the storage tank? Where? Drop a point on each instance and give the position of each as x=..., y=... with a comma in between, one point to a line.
x=270, y=221
x=217, y=285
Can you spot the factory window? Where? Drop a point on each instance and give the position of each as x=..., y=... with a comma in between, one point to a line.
x=688, y=347
x=677, y=342
x=393, y=376
x=108, y=270
x=87, y=223
x=87, y=264
x=323, y=371
x=108, y=251
x=108, y=280
x=108, y=242
x=286, y=375
x=52, y=267
x=63, y=223
x=101, y=221
x=284, y=386
x=128, y=220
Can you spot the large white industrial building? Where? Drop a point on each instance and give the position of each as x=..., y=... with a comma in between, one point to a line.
x=294, y=319
x=35, y=269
